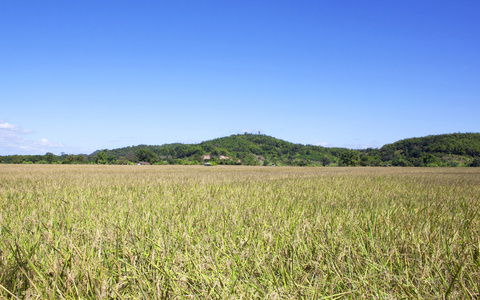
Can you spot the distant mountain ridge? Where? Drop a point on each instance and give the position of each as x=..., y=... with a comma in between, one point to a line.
x=456, y=149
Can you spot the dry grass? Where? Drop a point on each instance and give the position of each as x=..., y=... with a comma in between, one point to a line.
x=238, y=232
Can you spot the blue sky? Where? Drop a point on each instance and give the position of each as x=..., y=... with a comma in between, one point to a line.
x=77, y=76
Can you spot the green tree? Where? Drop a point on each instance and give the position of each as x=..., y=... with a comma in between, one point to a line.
x=249, y=160
x=130, y=156
x=50, y=157
x=400, y=162
x=69, y=159
x=17, y=159
x=147, y=155
x=475, y=162
x=111, y=159
x=122, y=160
x=101, y=157
x=79, y=159
x=325, y=161
x=349, y=158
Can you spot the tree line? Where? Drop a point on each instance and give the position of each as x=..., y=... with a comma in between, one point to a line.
x=458, y=149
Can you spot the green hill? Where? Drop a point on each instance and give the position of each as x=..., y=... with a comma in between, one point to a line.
x=457, y=149
x=246, y=149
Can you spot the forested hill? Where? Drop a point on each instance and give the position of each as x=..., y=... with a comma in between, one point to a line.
x=245, y=149
x=458, y=149
x=454, y=149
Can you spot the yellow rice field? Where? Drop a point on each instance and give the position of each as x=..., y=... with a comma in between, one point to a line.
x=194, y=232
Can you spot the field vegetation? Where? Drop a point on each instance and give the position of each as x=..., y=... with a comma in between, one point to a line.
x=235, y=232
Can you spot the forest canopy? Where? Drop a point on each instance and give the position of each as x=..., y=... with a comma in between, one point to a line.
x=446, y=150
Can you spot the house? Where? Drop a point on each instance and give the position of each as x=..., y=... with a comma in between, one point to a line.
x=143, y=163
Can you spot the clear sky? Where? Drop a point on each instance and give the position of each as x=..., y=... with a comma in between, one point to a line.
x=77, y=76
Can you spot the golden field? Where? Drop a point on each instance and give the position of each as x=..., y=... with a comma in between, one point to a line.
x=194, y=232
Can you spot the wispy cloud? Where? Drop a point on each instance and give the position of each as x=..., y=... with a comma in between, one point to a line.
x=14, y=140
x=7, y=126
x=355, y=145
x=360, y=145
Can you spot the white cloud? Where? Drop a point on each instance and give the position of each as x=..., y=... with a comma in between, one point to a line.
x=323, y=144
x=7, y=126
x=45, y=142
x=359, y=146
x=13, y=140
